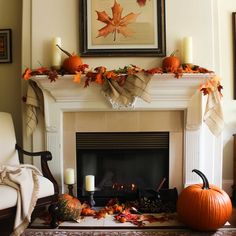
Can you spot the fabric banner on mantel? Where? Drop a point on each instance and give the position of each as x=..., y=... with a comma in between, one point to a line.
x=213, y=114
x=34, y=101
x=125, y=96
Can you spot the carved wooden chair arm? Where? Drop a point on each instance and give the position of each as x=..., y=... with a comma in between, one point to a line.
x=45, y=157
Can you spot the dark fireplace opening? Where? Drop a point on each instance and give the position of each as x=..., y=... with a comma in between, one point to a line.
x=123, y=163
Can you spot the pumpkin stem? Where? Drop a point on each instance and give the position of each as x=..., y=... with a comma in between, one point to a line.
x=67, y=53
x=204, y=179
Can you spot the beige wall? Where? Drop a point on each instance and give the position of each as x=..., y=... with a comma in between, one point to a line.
x=10, y=73
x=61, y=18
x=226, y=71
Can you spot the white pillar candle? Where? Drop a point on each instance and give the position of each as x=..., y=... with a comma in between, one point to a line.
x=56, y=53
x=69, y=176
x=187, y=50
x=89, y=183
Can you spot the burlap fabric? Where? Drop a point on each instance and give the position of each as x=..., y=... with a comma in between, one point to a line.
x=125, y=96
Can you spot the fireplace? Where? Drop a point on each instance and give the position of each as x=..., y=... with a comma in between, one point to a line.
x=189, y=149
x=123, y=163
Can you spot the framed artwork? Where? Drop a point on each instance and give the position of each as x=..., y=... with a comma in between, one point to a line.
x=5, y=46
x=234, y=51
x=122, y=28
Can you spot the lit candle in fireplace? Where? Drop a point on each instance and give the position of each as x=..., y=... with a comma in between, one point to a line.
x=69, y=176
x=89, y=183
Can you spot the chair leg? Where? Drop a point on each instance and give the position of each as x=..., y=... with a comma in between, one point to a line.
x=53, y=211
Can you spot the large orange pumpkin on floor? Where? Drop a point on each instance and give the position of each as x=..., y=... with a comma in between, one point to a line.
x=204, y=207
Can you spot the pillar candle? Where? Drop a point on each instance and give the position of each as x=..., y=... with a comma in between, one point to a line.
x=56, y=53
x=89, y=183
x=187, y=50
x=69, y=176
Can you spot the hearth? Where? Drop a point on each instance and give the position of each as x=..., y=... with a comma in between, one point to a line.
x=123, y=163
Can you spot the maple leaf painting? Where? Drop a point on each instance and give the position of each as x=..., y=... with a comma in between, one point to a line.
x=116, y=24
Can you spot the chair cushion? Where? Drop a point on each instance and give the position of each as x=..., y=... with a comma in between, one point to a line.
x=9, y=194
x=8, y=153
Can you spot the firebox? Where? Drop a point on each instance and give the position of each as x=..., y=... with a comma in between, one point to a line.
x=123, y=163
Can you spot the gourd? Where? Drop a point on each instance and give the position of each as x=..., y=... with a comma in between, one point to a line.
x=72, y=63
x=204, y=207
x=171, y=63
x=69, y=208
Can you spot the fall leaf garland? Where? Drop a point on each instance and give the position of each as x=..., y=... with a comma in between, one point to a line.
x=101, y=73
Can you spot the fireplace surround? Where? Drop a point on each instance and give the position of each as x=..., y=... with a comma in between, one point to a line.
x=195, y=148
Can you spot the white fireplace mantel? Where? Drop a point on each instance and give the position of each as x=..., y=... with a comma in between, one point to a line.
x=201, y=149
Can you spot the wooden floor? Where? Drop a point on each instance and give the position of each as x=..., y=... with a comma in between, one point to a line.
x=6, y=226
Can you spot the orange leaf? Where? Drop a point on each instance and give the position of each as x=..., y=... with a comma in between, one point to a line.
x=131, y=17
x=111, y=75
x=102, y=16
x=41, y=70
x=99, y=79
x=156, y=70
x=77, y=77
x=27, y=74
x=101, y=69
x=117, y=24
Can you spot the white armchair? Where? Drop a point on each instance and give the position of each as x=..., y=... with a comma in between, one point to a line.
x=9, y=150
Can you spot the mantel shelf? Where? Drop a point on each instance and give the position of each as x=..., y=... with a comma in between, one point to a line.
x=162, y=87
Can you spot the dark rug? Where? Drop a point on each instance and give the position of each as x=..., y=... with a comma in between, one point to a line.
x=125, y=232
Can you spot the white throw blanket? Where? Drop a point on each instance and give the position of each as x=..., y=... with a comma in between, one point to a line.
x=24, y=179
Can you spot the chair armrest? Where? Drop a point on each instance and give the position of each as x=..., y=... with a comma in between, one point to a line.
x=45, y=157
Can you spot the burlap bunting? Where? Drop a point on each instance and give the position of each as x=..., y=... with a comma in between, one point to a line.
x=125, y=96
x=34, y=102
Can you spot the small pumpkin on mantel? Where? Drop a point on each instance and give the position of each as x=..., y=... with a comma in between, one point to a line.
x=204, y=207
x=171, y=63
x=72, y=63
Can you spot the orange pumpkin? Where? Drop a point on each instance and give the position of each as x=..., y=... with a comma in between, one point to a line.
x=72, y=63
x=204, y=207
x=170, y=63
x=69, y=208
